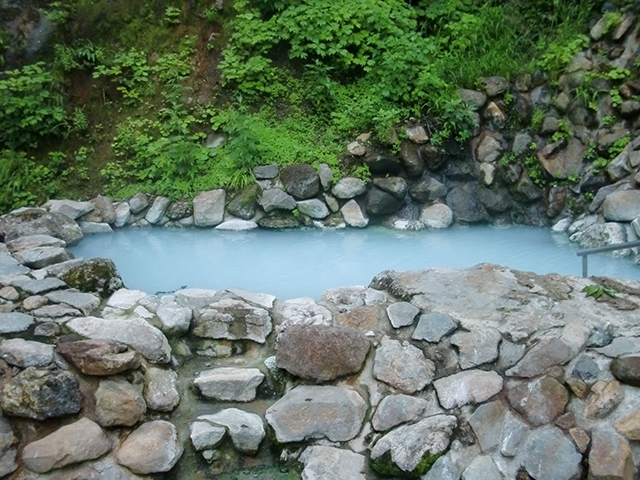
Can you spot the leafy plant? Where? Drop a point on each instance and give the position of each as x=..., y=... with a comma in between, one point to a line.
x=31, y=106
x=172, y=16
x=596, y=291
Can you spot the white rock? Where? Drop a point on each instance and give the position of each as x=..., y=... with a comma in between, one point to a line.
x=229, y=383
x=470, y=386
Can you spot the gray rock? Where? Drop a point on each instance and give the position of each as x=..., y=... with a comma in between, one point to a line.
x=396, y=186
x=402, y=366
x=436, y=216
x=521, y=143
x=33, y=221
x=157, y=210
x=245, y=429
x=601, y=234
x=321, y=353
x=196, y=298
x=275, y=199
x=513, y=434
x=237, y=225
x=175, y=319
x=8, y=450
x=118, y=403
x=627, y=370
x=70, y=208
x=234, y=320
x=468, y=387
x=548, y=454
x=205, y=435
x=266, y=172
x=97, y=275
x=488, y=150
x=263, y=300
x=622, y=206
x=99, y=357
x=408, y=444
x=10, y=267
x=353, y=215
x=208, y=208
x=29, y=242
x=123, y=215
x=158, y=440
x=245, y=203
x=41, y=394
x=473, y=97
x=61, y=312
x=138, y=334
x=80, y=441
x=465, y=207
x=349, y=187
x=229, y=383
x=313, y=208
x=621, y=346
x=15, y=322
x=326, y=176
x=26, y=353
x=161, y=389
x=36, y=287
x=85, y=302
x=546, y=353
x=105, y=206
x=495, y=85
x=300, y=181
x=402, y=314
x=396, y=409
x=331, y=463
x=427, y=189
x=442, y=469
x=380, y=202
x=486, y=423
x=482, y=468
x=335, y=413
x=410, y=157
x=432, y=327
x=279, y=220
x=90, y=228
x=540, y=401
x=510, y=354
x=476, y=347
x=138, y=203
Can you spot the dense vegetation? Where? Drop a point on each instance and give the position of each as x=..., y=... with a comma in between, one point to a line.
x=129, y=93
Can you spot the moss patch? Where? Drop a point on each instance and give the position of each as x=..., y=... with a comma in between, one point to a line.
x=384, y=466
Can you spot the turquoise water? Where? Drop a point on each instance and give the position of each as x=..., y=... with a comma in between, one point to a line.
x=297, y=263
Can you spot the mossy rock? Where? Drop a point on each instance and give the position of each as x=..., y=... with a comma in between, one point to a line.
x=97, y=275
x=384, y=466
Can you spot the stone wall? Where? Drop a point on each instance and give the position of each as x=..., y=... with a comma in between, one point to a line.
x=486, y=373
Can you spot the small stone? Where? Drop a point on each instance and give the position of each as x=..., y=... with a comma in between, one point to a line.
x=402, y=366
x=540, y=401
x=26, y=353
x=9, y=293
x=547, y=353
x=610, y=456
x=330, y=463
x=245, y=429
x=118, y=403
x=229, y=383
x=482, y=468
x=349, y=187
x=402, y=314
x=580, y=438
x=629, y=425
x=353, y=215
x=627, y=370
x=396, y=409
x=468, y=387
x=161, y=389
x=601, y=403
x=548, y=454
x=205, y=435
x=477, y=347
x=432, y=327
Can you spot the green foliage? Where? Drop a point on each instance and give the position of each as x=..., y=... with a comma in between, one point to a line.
x=57, y=12
x=558, y=55
x=31, y=106
x=384, y=465
x=596, y=291
x=172, y=16
x=563, y=132
x=24, y=182
x=536, y=119
x=618, y=146
x=83, y=54
x=130, y=71
x=535, y=170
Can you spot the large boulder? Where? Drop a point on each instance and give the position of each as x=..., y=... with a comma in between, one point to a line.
x=245, y=203
x=300, y=181
x=229, y=383
x=465, y=207
x=276, y=199
x=380, y=202
x=119, y=403
x=232, y=319
x=99, y=357
x=161, y=389
x=622, y=206
x=41, y=394
x=306, y=412
x=70, y=208
x=321, y=353
x=33, y=221
x=245, y=429
x=349, y=187
x=97, y=275
x=402, y=366
x=427, y=189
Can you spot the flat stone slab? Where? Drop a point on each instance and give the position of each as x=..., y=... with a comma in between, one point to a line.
x=477, y=347
x=42, y=256
x=99, y=357
x=308, y=412
x=402, y=366
x=85, y=302
x=432, y=327
x=138, y=334
x=125, y=299
x=26, y=353
x=196, y=298
x=402, y=314
x=161, y=389
x=232, y=319
x=237, y=225
x=547, y=353
x=229, y=383
x=80, y=441
x=540, y=401
x=468, y=387
x=37, y=287
x=549, y=454
x=396, y=409
x=15, y=322
x=34, y=241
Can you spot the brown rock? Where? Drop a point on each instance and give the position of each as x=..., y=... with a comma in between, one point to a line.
x=566, y=421
x=118, y=403
x=610, y=456
x=604, y=400
x=99, y=357
x=321, y=353
x=361, y=318
x=580, y=438
x=629, y=425
x=627, y=370
x=540, y=401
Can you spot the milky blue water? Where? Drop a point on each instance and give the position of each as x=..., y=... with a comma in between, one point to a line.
x=297, y=263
